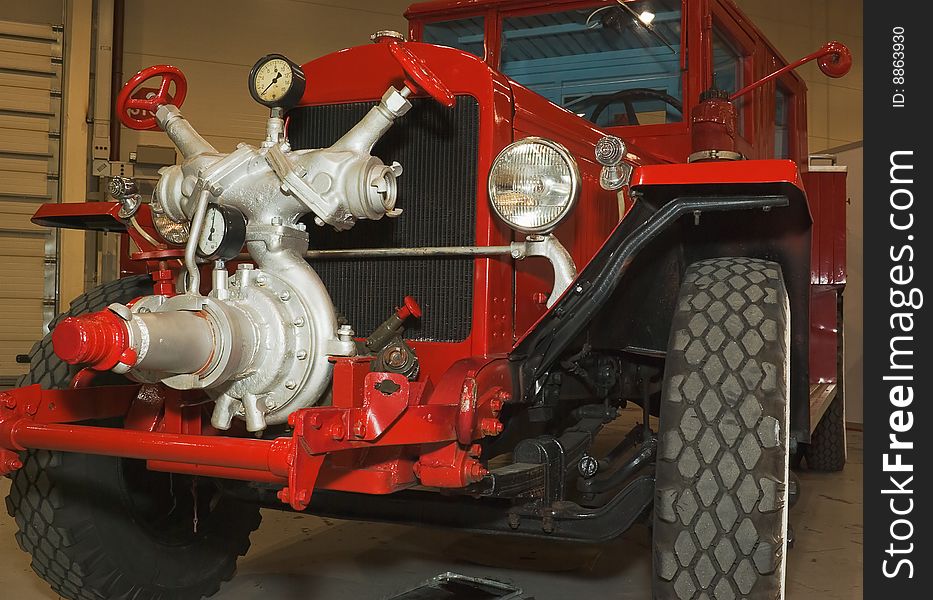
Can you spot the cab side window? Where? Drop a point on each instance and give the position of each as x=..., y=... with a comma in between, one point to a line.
x=729, y=67
x=782, y=107
x=462, y=34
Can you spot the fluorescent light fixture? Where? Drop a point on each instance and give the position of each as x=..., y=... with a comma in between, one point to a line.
x=646, y=17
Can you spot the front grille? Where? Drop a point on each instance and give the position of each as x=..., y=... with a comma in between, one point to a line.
x=437, y=147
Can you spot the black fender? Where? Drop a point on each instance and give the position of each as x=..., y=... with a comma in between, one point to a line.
x=623, y=299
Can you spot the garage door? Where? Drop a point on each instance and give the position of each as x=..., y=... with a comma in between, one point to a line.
x=30, y=103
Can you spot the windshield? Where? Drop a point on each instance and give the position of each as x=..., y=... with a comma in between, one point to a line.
x=610, y=64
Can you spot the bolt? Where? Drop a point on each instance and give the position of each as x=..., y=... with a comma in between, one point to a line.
x=301, y=354
x=514, y=520
x=284, y=495
x=474, y=471
x=11, y=464
x=290, y=384
x=359, y=428
x=245, y=267
x=261, y=280
x=8, y=400
x=490, y=426
x=284, y=296
x=539, y=298
x=395, y=357
x=269, y=403
x=475, y=450
x=547, y=524
x=495, y=405
x=336, y=431
x=314, y=421
x=345, y=333
x=304, y=496
x=299, y=322
x=276, y=220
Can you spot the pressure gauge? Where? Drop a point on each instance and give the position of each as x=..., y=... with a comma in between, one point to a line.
x=223, y=234
x=275, y=81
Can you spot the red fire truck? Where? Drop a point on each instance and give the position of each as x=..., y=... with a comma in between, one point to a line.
x=448, y=266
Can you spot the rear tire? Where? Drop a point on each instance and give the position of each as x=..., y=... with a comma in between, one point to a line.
x=827, y=448
x=105, y=527
x=720, y=525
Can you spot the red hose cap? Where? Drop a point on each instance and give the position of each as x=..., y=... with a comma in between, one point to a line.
x=409, y=308
x=98, y=340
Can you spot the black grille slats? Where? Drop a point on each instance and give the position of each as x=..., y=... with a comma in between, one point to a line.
x=437, y=148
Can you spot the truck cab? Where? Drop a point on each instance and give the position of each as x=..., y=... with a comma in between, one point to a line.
x=635, y=70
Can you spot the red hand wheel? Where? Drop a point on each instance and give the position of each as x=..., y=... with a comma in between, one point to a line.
x=421, y=75
x=126, y=103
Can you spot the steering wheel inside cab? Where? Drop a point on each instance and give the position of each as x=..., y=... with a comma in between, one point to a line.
x=628, y=98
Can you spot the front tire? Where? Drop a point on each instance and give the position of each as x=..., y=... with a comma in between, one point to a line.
x=105, y=527
x=720, y=525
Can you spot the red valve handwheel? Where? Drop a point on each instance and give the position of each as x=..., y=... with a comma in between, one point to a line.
x=125, y=101
x=421, y=75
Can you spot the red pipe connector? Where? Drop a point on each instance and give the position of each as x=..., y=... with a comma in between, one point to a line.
x=410, y=308
x=99, y=340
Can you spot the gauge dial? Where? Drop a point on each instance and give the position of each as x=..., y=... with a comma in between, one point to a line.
x=276, y=81
x=223, y=234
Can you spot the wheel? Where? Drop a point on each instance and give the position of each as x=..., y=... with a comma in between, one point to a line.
x=104, y=527
x=720, y=525
x=827, y=448
x=628, y=97
x=45, y=368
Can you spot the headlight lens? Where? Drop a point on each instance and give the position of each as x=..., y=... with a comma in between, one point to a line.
x=533, y=184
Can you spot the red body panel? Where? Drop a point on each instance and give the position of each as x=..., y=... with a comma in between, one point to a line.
x=424, y=432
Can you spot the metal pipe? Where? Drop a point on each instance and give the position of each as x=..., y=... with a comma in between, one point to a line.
x=191, y=262
x=219, y=472
x=116, y=76
x=427, y=252
x=240, y=453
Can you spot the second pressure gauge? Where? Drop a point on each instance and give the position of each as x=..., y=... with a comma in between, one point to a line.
x=275, y=81
x=224, y=233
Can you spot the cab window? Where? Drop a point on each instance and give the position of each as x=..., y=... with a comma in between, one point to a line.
x=782, y=123
x=462, y=34
x=729, y=71
x=611, y=64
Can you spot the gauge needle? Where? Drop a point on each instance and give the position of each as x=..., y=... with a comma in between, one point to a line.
x=271, y=83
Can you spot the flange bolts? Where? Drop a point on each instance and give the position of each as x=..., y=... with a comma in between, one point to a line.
x=490, y=426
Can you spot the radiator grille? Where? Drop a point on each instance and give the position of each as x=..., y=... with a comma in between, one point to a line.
x=437, y=147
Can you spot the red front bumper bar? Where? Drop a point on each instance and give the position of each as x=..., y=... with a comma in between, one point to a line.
x=383, y=433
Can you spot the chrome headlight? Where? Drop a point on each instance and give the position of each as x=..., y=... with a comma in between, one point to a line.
x=534, y=184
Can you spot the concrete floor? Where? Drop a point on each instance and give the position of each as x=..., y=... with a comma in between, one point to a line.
x=304, y=557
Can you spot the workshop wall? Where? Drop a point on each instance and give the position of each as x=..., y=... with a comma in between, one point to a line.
x=797, y=28
x=215, y=42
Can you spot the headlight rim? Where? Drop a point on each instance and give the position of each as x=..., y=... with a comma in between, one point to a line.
x=575, y=184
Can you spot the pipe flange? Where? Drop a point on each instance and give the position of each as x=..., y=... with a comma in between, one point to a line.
x=705, y=155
